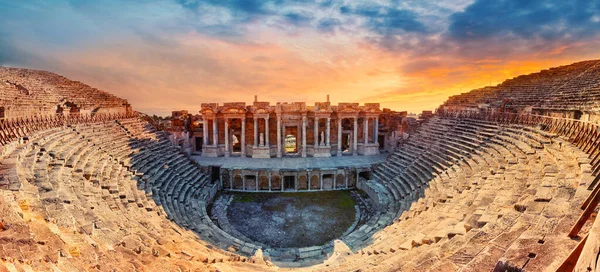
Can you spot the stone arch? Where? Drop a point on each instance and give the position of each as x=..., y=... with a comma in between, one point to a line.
x=328, y=182
x=340, y=181
x=276, y=182
x=302, y=182
x=238, y=182
x=314, y=183
x=251, y=182
x=2, y=113
x=264, y=182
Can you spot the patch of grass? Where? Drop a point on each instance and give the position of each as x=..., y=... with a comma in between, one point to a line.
x=345, y=201
x=244, y=198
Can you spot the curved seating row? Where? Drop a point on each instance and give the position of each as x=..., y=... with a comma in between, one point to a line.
x=98, y=196
x=466, y=194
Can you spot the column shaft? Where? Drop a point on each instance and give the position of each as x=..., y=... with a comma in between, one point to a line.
x=366, y=130
x=321, y=180
x=215, y=133
x=255, y=132
x=226, y=137
x=355, y=137
x=243, y=140
x=278, y=136
x=328, y=132
x=316, y=132
x=267, y=132
x=339, y=137
x=204, y=132
x=304, y=137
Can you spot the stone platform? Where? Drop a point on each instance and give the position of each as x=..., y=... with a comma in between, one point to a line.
x=291, y=163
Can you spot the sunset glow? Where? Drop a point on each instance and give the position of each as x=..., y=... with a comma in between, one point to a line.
x=410, y=55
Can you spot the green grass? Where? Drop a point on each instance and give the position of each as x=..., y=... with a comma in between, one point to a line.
x=244, y=198
x=341, y=199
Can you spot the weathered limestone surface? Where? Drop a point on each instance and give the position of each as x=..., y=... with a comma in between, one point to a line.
x=464, y=192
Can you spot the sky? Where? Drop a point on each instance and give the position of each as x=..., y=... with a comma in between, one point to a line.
x=165, y=55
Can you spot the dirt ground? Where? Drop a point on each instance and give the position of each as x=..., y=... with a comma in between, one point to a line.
x=283, y=220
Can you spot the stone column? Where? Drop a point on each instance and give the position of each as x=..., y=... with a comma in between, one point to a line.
x=308, y=175
x=355, y=137
x=278, y=136
x=267, y=132
x=328, y=132
x=376, y=130
x=243, y=141
x=221, y=180
x=339, y=139
x=321, y=179
x=243, y=182
x=204, y=132
x=226, y=137
x=256, y=182
x=346, y=175
x=316, y=132
x=255, y=132
x=269, y=181
x=303, y=136
x=335, y=181
x=366, y=131
x=215, y=133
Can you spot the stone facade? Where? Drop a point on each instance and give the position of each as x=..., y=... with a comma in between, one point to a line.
x=262, y=130
x=291, y=180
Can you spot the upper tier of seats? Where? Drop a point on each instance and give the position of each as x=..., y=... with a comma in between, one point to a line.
x=571, y=87
x=34, y=91
x=469, y=193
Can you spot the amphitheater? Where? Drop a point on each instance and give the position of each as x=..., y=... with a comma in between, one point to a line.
x=503, y=178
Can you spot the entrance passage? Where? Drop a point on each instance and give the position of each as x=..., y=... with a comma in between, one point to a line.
x=199, y=142
x=346, y=142
x=237, y=145
x=289, y=183
x=291, y=140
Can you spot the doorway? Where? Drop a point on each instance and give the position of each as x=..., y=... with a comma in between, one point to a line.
x=381, y=140
x=199, y=142
x=291, y=140
x=237, y=145
x=289, y=183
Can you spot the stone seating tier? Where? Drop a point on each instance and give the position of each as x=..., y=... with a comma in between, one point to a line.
x=460, y=194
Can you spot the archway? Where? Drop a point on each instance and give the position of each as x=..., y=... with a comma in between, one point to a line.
x=291, y=140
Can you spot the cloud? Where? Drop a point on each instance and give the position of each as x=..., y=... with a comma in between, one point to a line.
x=184, y=52
x=510, y=27
x=328, y=24
x=547, y=20
x=386, y=20
x=299, y=18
